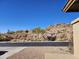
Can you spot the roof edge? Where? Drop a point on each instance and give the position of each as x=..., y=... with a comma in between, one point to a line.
x=68, y=5
x=75, y=21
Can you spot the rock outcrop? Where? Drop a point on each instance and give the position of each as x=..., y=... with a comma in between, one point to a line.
x=62, y=32
x=58, y=32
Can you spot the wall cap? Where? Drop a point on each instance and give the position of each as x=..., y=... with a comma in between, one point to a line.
x=75, y=21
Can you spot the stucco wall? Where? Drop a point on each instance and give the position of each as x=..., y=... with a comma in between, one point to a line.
x=76, y=38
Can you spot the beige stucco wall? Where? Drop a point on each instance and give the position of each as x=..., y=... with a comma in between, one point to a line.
x=76, y=38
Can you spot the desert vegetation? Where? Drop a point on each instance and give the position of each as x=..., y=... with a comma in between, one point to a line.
x=58, y=32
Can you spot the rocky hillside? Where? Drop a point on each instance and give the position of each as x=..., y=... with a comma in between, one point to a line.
x=58, y=32
x=62, y=32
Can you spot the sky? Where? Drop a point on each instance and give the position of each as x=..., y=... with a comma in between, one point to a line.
x=28, y=14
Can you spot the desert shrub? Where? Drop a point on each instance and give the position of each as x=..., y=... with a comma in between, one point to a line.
x=19, y=31
x=51, y=38
x=38, y=30
x=2, y=38
x=10, y=32
x=26, y=31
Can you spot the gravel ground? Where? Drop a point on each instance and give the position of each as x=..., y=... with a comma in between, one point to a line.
x=39, y=52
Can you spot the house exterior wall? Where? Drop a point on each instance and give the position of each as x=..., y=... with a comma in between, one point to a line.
x=76, y=38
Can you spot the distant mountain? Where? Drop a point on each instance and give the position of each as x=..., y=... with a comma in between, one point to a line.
x=58, y=32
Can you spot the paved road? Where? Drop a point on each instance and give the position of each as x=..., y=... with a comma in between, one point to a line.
x=35, y=44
